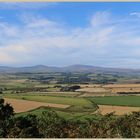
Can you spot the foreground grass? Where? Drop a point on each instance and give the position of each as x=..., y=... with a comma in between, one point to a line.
x=117, y=100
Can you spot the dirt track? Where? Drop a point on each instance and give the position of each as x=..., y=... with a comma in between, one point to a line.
x=24, y=105
x=119, y=110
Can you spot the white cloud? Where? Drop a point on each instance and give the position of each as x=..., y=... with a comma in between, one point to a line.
x=135, y=14
x=40, y=40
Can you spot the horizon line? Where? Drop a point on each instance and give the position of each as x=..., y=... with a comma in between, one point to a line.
x=111, y=67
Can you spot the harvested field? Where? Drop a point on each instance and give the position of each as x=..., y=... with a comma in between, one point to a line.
x=124, y=89
x=112, y=88
x=119, y=110
x=24, y=105
x=122, y=85
x=115, y=88
x=93, y=90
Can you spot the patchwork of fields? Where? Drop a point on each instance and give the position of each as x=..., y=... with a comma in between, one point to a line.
x=89, y=99
x=121, y=107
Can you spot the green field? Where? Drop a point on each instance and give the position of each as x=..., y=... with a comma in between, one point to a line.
x=117, y=100
x=80, y=108
x=76, y=104
x=82, y=116
x=52, y=99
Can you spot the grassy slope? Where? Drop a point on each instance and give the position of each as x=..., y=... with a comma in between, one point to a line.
x=64, y=114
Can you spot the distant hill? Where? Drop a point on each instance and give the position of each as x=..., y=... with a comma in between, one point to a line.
x=72, y=68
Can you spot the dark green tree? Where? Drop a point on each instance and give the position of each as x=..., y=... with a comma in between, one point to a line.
x=6, y=115
x=25, y=127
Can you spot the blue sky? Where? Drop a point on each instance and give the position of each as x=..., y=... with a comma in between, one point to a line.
x=59, y=34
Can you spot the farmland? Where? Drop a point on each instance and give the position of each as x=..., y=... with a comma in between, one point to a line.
x=36, y=93
x=118, y=110
x=24, y=106
x=80, y=97
x=119, y=100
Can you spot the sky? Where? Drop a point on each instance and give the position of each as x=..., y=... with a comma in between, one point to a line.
x=59, y=34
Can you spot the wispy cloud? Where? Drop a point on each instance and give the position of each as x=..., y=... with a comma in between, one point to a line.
x=41, y=40
x=100, y=18
x=135, y=14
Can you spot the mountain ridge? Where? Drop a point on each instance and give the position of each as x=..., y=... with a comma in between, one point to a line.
x=70, y=68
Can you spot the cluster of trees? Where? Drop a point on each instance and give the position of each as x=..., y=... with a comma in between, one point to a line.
x=25, y=90
x=74, y=78
x=70, y=88
x=42, y=79
x=85, y=78
x=103, y=80
x=50, y=125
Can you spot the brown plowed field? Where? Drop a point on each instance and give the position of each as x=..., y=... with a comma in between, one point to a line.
x=119, y=110
x=24, y=105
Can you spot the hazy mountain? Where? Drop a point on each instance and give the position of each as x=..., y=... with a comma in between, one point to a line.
x=32, y=69
x=72, y=68
x=87, y=68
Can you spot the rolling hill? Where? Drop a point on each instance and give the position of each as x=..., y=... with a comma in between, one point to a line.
x=72, y=68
